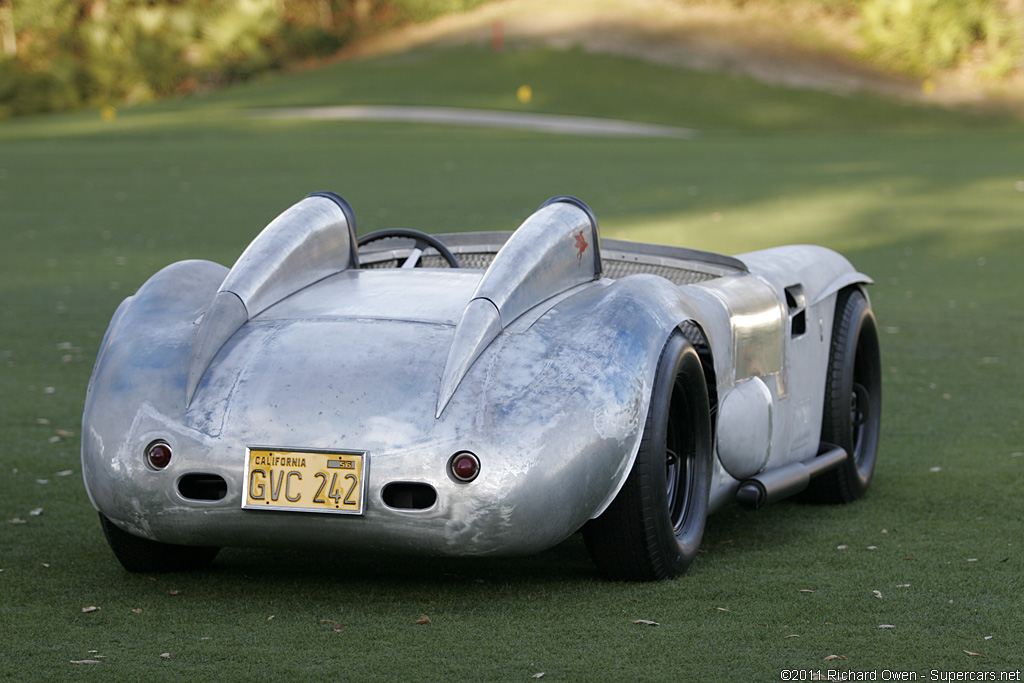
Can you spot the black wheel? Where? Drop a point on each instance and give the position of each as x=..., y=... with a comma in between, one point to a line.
x=652, y=530
x=853, y=401
x=143, y=555
x=422, y=240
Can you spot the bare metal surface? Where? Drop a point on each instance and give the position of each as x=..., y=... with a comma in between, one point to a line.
x=306, y=243
x=549, y=386
x=548, y=255
x=745, y=428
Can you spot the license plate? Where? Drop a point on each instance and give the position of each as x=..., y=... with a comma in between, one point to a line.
x=298, y=480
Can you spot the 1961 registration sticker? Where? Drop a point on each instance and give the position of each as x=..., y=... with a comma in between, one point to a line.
x=298, y=480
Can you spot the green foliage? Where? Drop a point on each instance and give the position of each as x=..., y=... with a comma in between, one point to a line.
x=923, y=36
x=78, y=53
x=421, y=10
x=75, y=53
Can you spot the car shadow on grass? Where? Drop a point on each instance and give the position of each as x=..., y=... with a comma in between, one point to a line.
x=567, y=561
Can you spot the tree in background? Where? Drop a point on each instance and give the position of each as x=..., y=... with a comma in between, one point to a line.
x=924, y=36
x=67, y=54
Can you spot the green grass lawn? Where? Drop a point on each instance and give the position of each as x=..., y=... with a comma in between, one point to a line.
x=928, y=202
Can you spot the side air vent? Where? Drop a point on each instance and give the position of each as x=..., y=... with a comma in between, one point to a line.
x=796, y=301
x=409, y=496
x=202, y=487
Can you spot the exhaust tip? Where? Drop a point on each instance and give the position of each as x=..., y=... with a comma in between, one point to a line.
x=751, y=496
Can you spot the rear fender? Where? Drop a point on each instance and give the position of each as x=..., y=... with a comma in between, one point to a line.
x=142, y=360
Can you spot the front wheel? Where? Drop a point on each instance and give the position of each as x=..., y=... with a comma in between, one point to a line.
x=853, y=401
x=144, y=556
x=653, y=528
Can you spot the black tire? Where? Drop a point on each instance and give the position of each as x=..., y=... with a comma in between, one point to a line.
x=145, y=556
x=852, y=414
x=653, y=528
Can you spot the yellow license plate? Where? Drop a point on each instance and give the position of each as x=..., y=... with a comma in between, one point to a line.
x=298, y=480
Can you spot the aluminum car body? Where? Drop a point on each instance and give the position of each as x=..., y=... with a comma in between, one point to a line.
x=540, y=364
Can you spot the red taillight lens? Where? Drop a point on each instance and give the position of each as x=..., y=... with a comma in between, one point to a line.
x=465, y=466
x=158, y=455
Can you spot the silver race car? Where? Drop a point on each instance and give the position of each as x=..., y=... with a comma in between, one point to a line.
x=475, y=393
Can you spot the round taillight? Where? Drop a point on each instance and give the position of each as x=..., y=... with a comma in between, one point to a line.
x=464, y=466
x=158, y=455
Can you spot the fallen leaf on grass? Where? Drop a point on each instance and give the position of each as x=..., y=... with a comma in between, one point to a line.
x=806, y=590
x=424, y=619
x=831, y=657
x=886, y=626
x=18, y=520
x=35, y=512
x=539, y=674
x=989, y=637
x=270, y=618
x=174, y=592
x=646, y=622
x=338, y=628
x=65, y=473
x=842, y=547
x=85, y=661
x=794, y=635
x=723, y=609
x=166, y=655
x=972, y=654
x=137, y=611
x=90, y=608
x=878, y=594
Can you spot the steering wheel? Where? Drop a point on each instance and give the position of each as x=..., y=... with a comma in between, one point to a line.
x=422, y=239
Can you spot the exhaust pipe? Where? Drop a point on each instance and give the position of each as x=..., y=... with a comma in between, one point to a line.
x=783, y=482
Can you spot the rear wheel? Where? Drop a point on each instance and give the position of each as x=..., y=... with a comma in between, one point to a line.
x=143, y=555
x=853, y=401
x=653, y=528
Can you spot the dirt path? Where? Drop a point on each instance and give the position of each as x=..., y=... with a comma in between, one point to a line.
x=548, y=123
x=712, y=38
